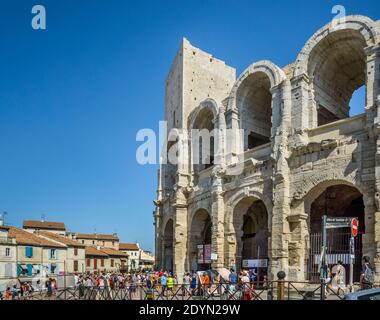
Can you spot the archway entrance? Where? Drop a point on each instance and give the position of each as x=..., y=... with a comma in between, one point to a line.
x=254, y=100
x=168, y=246
x=200, y=241
x=337, y=66
x=336, y=201
x=252, y=234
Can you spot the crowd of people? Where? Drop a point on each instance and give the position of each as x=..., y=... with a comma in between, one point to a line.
x=144, y=285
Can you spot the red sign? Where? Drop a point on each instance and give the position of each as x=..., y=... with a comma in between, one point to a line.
x=354, y=227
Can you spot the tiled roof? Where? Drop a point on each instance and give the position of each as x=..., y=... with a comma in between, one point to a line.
x=113, y=252
x=128, y=246
x=61, y=239
x=48, y=225
x=92, y=251
x=95, y=236
x=26, y=238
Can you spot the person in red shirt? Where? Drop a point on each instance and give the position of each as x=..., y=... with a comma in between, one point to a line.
x=8, y=294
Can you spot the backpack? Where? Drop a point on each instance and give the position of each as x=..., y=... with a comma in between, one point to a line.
x=369, y=275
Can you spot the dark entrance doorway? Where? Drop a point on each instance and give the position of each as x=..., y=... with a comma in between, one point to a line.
x=200, y=241
x=335, y=201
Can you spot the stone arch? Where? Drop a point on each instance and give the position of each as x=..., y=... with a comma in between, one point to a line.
x=202, y=145
x=206, y=104
x=248, y=192
x=312, y=186
x=274, y=73
x=253, y=97
x=362, y=24
x=237, y=208
x=335, y=198
x=335, y=61
x=199, y=233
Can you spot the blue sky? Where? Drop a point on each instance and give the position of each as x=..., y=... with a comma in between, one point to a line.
x=72, y=97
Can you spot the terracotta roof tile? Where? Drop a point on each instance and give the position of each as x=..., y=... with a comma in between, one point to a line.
x=92, y=251
x=59, y=238
x=128, y=246
x=27, y=238
x=95, y=236
x=48, y=225
x=113, y=252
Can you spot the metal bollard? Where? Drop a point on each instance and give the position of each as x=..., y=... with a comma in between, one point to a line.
x=281, y=285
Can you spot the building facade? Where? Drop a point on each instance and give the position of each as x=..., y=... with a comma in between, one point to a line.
x=133, y=252
x=261, y=196
x=50, y=226
x=75, y=252
x=95, y=239
x=8, y=258
x=37, y=256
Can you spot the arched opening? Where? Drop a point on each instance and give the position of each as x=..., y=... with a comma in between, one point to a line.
x=337, y=65
x=254, y=101
x=252, y=235
x=336, y=201
x=200, y=241
x=168, y=245
x=203, y=140
x=358, y=101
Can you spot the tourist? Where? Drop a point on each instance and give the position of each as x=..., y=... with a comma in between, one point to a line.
x=163, y=281
x=186, y=284
x=8, y=294
x=170, y=283
x=193, y=285
x=205, y=284
x=339, y=277
x=232, y=278
x=247, y=294
x=367, y=274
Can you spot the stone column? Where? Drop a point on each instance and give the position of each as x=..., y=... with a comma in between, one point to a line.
x=158, y=235
x=298, y=246
x=217, y=216
x=180, y=233
x=278, y=252
x=233, y=142
x=300, y=111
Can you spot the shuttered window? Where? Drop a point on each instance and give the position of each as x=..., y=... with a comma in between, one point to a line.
x=8, y=270
x=29, y=252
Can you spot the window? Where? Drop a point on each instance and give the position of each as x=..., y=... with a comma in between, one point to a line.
x=112, y=263
x=102, y=262
x=82, y=241
x=53, y=254
x=113, y=243
x=8, y=270
x=53, y=268
x=93, y=241
x=75, y=251
x=88, y=262
x=7, y=252
x=75, y=265
x=29, y=252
